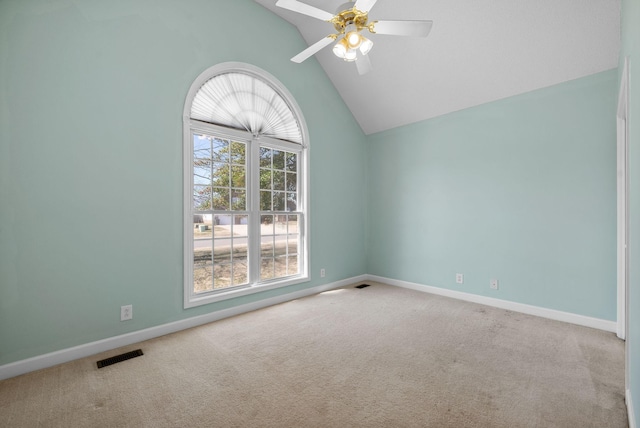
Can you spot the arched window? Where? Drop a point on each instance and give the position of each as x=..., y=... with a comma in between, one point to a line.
x=245, y=183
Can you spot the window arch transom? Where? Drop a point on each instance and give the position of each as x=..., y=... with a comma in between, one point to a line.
x=242, y=101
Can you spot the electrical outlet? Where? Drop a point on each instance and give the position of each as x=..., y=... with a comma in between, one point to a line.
x=459, y=278
x=322, y=273
x=126, y=312
x=493, y=284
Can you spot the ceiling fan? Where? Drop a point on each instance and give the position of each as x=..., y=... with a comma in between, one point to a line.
x=349, y=21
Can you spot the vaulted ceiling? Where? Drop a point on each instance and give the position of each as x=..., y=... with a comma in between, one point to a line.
x=478, y=51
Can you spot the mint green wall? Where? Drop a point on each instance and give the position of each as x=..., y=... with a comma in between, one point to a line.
x=522, y=190
x=91, y=98
x=631, y=47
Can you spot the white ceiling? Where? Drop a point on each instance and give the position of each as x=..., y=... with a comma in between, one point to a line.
x=478, y=51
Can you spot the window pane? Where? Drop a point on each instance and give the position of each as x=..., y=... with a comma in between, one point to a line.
x=240, y=225
x=266, y=225
x=266, y=236
x=292, y=162
x=239, y=200
x=201, y=198
x=267, y=246
x=240, y=271
x=266, y=269
x=220, y=174
x=278, y=180
x=201, y=147
x=292, y=204
x=292, y=182
x=202, y=277
x=280, y=267
x=292, y=223
x=222, y=225
x=201, y=171
x=202, y=246
x=237, y=176
x=278, y=159
x=280, y=248
x=265, y=179
x=220, y=150
x=202, y=228
x=220, y=197
x=278, y=201
x=265, y=157
x=222, y=250
x=292, y=265
x=202, y=251
x=202, y=254
x=221, y=275
x=265, y=200
x=240, y=249
x=280, y=224
x=238, y=153
x=292, y=244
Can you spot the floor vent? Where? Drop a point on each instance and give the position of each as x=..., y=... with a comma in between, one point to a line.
x=362, y=286
x=118, y=358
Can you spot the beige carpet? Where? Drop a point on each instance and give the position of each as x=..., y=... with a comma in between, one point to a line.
x=377, y=357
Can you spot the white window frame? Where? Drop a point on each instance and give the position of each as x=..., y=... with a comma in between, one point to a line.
x=191, y=299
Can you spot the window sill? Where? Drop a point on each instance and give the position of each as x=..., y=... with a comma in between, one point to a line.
x=218, y=296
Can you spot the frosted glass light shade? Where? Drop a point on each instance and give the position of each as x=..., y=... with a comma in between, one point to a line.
x=340, y=49
x=351, y=55
x=354, y=39
x=365, y=46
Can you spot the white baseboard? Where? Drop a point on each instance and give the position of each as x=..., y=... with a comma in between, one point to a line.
x=85, y=350
x=630, y=411
x=503, y=304
x=92, y=348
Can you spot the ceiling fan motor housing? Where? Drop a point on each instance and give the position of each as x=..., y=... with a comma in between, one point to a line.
x=347, y=15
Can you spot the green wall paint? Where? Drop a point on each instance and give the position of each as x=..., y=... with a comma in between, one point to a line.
x=631, y=47
x=521, y=189
x=91, y=161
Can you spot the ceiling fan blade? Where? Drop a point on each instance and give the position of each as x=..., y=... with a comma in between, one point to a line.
x=363, y=63
x=305, y=9
x=403, y=28
x=314, y=48
x=364, y=5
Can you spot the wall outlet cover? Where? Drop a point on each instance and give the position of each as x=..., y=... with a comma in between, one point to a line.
x=126, y=312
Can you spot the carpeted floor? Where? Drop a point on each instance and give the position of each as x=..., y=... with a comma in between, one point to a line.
x=380, y=356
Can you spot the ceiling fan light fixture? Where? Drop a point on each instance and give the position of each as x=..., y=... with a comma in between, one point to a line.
x=354, y=39
x=340, y=49
x=365, y=46
x=351, y=55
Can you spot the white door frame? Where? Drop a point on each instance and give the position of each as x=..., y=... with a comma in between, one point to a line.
x=623, y=213
x=623, y=198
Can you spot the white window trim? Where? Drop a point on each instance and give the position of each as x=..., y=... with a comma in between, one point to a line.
x=192, y=299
